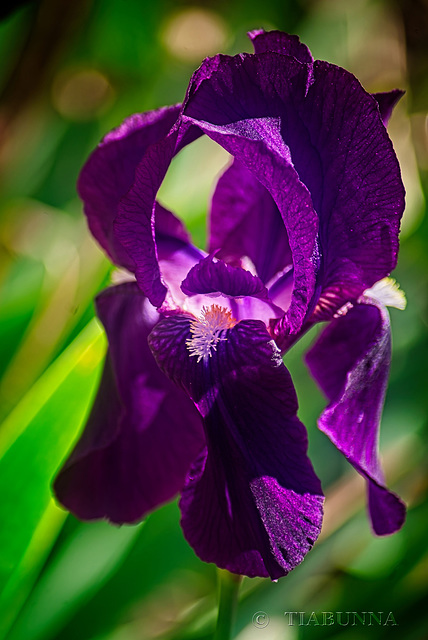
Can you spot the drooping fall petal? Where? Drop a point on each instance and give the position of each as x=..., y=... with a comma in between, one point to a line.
x=252, y=503
x=143, y=432
x=350, y=362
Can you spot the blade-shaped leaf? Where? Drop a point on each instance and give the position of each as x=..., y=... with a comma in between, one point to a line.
x=33, y=441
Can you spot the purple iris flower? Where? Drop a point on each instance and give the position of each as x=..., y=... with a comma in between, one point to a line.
x=195, y=398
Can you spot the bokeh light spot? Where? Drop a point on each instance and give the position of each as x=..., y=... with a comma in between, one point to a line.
x=81, y=94
x=194, y=33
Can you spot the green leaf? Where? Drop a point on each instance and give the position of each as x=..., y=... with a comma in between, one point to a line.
x=19, y=293
x=34, y=439
x=82, y=566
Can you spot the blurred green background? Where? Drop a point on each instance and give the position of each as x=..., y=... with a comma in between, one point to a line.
x=70, y=71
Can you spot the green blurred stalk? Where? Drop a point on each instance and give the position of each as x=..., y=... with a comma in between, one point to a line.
x=229, y=584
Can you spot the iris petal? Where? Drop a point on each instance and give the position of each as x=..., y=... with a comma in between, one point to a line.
x=280, y=42
x=143, y=432
x=252, y=503
x=290, y=45
x=134, y=226
x=272, y=167
x=168, y=226
x=386, y=102
x=330, y=137
x=353, y=175
x=209, y=276
x=109, y=173
x=243, y=104
x=245, y=222
x=350, y=362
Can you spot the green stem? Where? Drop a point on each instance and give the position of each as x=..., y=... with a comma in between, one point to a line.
x=228, y=599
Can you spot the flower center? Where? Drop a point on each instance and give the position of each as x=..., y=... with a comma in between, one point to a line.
x=208, y=330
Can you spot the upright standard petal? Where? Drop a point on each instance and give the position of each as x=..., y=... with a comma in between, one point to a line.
x=252, y=502
x=386, y=102
x=109, y=173
x=354, y=178
x=280, y=42
x=136, y=225
x=239, y=105
x=245, y=222
x=168, y=226
x=350, y=361
x=336, y=145
x=143, y=432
